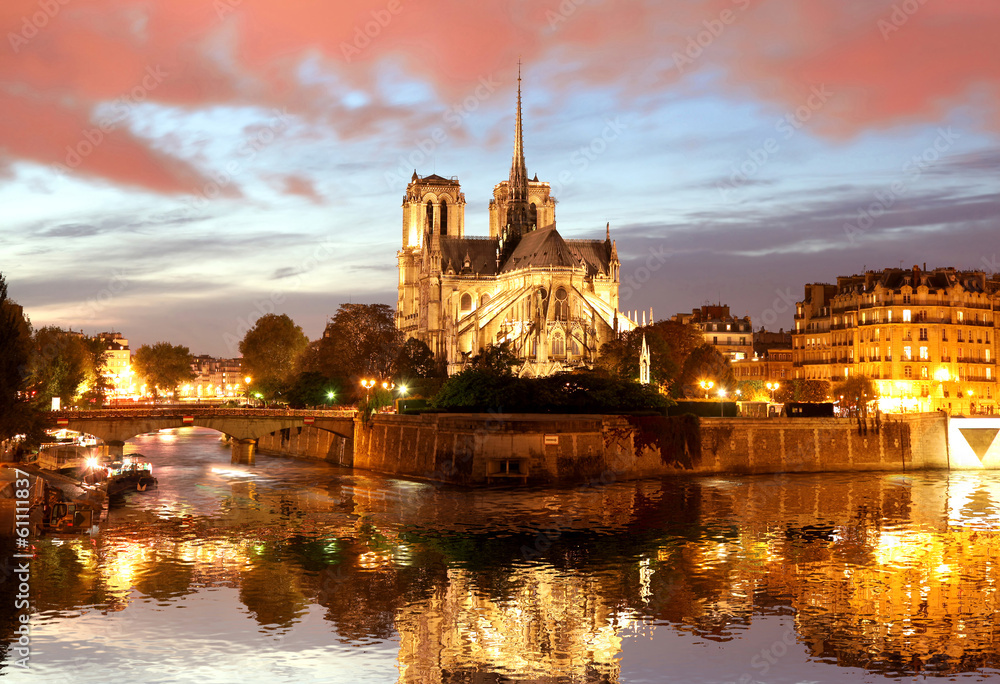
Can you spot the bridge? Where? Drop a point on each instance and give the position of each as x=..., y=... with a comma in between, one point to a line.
x=243, y=425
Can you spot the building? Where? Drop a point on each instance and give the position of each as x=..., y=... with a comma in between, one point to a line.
x=118, y=365
x=927, y=338
x=555, y=301
x=731, y=336
x=214, y=378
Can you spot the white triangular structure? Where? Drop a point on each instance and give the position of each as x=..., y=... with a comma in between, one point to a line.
x=644, y=363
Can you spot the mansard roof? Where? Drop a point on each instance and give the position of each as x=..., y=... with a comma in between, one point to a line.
x=482, y=253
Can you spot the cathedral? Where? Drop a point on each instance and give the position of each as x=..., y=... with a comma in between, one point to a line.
x=555, y=301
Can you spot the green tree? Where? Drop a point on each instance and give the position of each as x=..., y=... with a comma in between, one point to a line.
x=705, y=363
x=311, y=388
x=855, y=392
x=360, y=341
x=801, y=389
x=271, y=351
x=753, y=390
x=416, y=360
x=620, y=357
x=497, y=359
x=63, y=364
x=681, y=339
x=18, y=416
x=163, y=366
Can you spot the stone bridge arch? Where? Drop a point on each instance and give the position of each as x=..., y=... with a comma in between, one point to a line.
x=244, y=427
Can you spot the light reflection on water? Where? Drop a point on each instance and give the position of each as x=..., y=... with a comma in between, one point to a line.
x=291, y=571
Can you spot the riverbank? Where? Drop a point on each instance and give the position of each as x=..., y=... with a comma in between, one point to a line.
x=475, y=449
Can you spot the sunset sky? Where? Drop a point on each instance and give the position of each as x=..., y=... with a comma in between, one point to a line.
x=173, y=168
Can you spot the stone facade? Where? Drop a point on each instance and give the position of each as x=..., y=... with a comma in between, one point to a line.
x=927, y=338
x=553, y=300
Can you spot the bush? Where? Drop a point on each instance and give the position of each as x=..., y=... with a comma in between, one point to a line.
x=477, y=390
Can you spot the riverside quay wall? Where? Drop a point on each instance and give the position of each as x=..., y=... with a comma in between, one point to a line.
x=471, y=449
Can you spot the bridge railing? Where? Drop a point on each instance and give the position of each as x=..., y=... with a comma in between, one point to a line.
x=201, y=412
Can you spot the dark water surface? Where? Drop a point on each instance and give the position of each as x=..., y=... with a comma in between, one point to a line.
x=290, y=571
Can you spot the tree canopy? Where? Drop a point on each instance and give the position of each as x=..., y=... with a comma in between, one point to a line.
x=360, y=341
x=163, y=366
x=17, y=414
x=705, y=363
x=855, y=392
x=67, y=365
x=271, y=351
x=620, y=357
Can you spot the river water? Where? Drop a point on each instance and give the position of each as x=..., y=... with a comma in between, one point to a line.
x=292, y=571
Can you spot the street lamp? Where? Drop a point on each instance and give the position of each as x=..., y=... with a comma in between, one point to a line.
x=722, y=404
x=772, y=386
x=330, y=395
x=706, y=385
x=247, y=380
x=367, y=384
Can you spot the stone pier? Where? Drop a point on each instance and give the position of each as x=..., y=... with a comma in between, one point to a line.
x=244, y=451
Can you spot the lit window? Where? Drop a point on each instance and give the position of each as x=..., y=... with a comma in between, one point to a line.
x=989, y=373
x=923, y=353
x=908, y=353
x=961, y=316
x=987, y=354
x=923, y=372
x=906, y=315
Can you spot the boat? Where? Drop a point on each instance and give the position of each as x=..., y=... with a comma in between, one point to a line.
x=131, y=474
x=55, y=503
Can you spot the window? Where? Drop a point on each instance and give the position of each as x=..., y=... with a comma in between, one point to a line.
x=961, y=316
x=923, y=372
x=715, y=340
x=430, y=217
x=961, y=352
x=888, y=315
x=923, y=334
x=987, y=355
x=558, y=345
x=906, y=315
x=484, y=299
x=444, y=217
x=729, y=326
x=562, y=306
x=906, y=299
x=960, y=339
x=923, y=353
x=989, y=373
x=907, y=371
x=466, y=302
x=907, y=353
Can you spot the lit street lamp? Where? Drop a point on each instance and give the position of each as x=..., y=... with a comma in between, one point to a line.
x=330, y=395
x=706, y=385
x=367, y=384
x=772, y=386
x=722, y=403
x=247, y=379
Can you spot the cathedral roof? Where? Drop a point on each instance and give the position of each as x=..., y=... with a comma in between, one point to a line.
x=434, y=178
x=545, y=247
x=481, y=252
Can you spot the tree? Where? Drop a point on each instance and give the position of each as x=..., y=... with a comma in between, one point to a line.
x=681, y=339
x=163, y=366
x=271, y=351
x=17, y=414
x=800, y=389
x=64, y=364
x=855, y=392
x=360, y=341
x=495, y=359
x=416, y=360
x=620, y=357
x=753, y=390
x=311, y=388
x=705, y=363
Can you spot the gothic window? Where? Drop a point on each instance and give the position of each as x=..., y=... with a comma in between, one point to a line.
x=574, y=346
x=533, y=215
x=444, y=217
x=466, y=302
x=558, y=345
x=430, y=217
x=562, y=306
x=485, y=299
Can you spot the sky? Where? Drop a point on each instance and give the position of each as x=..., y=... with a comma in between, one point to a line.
x=174, y=169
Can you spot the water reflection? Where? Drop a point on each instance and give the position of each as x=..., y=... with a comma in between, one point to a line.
x=291, y=571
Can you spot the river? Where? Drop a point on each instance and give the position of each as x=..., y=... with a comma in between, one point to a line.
x=293, y=571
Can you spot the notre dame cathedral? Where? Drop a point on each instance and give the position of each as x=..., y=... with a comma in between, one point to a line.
x=555, y=301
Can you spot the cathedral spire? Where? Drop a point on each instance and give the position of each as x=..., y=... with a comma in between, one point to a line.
x=517, y=186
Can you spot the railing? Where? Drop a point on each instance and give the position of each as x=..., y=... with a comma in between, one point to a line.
x=210, y=412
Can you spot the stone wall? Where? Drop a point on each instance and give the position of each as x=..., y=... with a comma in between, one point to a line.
x=479, y=448
x=308, y=443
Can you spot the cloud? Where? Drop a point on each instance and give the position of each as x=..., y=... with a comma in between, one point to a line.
x=87, y=56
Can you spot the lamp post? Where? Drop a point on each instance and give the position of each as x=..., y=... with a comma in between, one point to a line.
x=247, y=380
x=772, y=386
x=706, y=385
x=329, y=396
x=367, y=384
x=722, y=404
